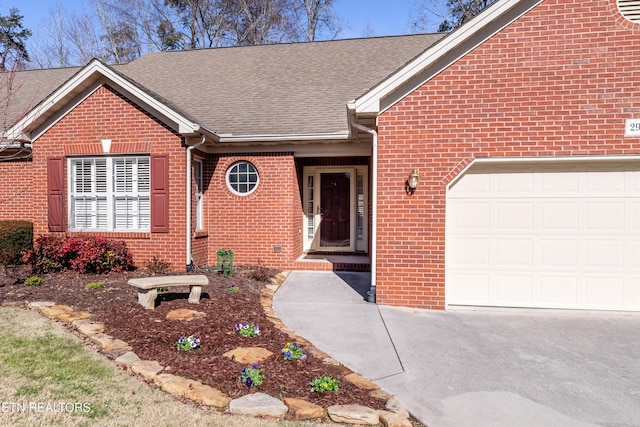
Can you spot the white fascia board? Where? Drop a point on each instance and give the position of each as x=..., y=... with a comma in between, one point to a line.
x=83, y=79
x=370, y=101
x=282, y=138
x=320, y=149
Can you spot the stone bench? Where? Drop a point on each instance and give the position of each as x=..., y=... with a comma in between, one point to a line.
x=148, y=287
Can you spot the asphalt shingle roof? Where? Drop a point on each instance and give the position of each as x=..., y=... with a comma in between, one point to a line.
x=282, y=89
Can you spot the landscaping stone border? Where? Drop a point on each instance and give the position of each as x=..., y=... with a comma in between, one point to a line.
x=255, y=404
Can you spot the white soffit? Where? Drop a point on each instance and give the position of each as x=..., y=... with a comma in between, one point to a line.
x=442, y=54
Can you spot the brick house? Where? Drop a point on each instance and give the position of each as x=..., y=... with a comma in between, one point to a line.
x=523, y=127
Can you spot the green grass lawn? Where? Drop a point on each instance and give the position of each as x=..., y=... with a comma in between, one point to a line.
x=49, y=378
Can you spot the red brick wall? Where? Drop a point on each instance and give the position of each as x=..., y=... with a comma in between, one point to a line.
x=251, y=225
x=560, y=81
x=107, y=115
x=15, y=190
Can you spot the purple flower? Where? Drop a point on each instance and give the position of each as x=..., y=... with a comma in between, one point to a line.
x=249, y=382
x=303, y=357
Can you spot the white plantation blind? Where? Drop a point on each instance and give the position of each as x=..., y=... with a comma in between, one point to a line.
x=630, y=9
x=110, y=194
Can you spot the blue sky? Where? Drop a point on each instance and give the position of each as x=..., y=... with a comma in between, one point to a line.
x=363, y=17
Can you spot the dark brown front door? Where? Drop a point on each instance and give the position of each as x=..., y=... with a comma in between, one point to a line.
x=335, y=203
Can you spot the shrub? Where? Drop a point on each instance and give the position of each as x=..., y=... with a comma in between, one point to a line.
x=46, y=255
x=16, y=237
x=81, y=254
x=33, y=281
x=158, y=266
x=261, y=274
x=224, y=261
x=94, y=285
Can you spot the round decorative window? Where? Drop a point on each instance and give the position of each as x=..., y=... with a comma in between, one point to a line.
x=242, y=178
x=630, y=9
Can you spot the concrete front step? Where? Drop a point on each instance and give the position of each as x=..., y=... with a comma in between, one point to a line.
x=331, y=262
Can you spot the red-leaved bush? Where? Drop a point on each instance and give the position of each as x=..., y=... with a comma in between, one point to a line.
x=80, y=254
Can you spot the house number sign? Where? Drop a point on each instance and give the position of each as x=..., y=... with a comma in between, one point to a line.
x=632, y=128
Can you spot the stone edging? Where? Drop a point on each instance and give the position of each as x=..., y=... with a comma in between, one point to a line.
x=254, y=404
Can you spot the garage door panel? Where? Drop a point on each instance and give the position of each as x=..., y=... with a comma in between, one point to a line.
x=471, y=288
x=635, y=214
x=560, y=236
x=604, y=183
x=471, y=252
x=559, y=216
x=633, y=293
x=558, y=291
x=514, y=184
x=604, y=216
x=604, y=254
x=513, y=290
x=472, y=216
x=604, y=292
x=559, y=183
x=559, y=254
x=514, y=216
x=474, y=184
x=514, y=252
x=634, y=255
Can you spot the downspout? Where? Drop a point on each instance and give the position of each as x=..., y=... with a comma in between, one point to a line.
x=371, y=294
x=189, y=259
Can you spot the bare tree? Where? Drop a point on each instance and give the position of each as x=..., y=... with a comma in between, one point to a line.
x=254, y=22
x=120, y=42
x=317, y=17
x=451, y=13
x=116, y=31
x=50, y=47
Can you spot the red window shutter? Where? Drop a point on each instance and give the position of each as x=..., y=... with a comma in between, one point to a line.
x=55, y=193
x=159, y=194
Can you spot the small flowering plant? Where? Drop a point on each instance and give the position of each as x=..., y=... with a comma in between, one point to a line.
x=291, y=351
x=251, y=376
x=325, y=383
x=188, y=343
x=233, y=289
x=248, y=329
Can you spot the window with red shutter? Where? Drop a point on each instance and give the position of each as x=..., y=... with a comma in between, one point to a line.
x=55, y=193
x=159, y=194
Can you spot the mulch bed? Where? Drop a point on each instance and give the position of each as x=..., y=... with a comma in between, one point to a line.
x=153, y=336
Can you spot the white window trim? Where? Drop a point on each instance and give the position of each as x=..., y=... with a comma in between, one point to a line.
x=198, y=177
x=238, y=193
x=110, y=193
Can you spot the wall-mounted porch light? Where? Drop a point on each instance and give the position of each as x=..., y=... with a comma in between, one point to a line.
x=412, y=181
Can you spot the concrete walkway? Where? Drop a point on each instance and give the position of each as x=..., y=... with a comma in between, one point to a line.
x=482, y=367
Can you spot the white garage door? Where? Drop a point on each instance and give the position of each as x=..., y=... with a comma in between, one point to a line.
x=555, y=236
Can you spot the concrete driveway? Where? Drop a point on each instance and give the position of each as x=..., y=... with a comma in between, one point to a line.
x=475, y=367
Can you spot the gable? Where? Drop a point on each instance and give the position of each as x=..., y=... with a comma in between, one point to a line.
x=105, y=114
x=570, y=57
x=81, y=85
